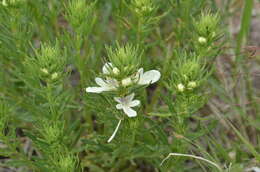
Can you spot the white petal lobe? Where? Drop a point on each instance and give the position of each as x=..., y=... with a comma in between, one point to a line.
x=118, y=99
x=129, y=111
x=100, y=82
x=94, y=89
x=119, y=106
x=149, y=77
x=106, y=68
x=130, y=97
x=134, y=103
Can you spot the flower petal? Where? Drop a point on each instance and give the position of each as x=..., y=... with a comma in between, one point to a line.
x=94, y=89
x=134, y=103
x=119, y=106
x=129, y=98
x=107, y=68
x=129, y=111
x=138, y=75
x=149, y=77
x=112, y=82
x=100, y=82
x=118, y=99
x=141, y=71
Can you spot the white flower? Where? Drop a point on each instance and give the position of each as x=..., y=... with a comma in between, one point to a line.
x=148, y=77
x=126, y=103
x=109, y=84
x=105, y=85
x=180, y=87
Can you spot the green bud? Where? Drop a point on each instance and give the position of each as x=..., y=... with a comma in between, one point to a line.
x=48, y=63
x=143, y=7
x=80, y=15
x=51, y=132
x=207, y=25
x=50, y=59
x=66, y=163
x=187, y=70
x=192, y=84
x=125, y=59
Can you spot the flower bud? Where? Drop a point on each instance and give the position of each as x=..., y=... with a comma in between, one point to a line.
x=126, y=82
x=115, y=70
x=143, y=6
x=207, y=24
x=125, y=58
x=81, y=15
x=202, y=40
x=54, y=75
x=232, y=154
x=192, y=84
x=66, y=162
x=180, y=87
x=4, y=3
x=45, y=71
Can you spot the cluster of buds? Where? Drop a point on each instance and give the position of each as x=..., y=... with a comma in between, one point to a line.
x=143, y=6
x=190, y=86
x=46, y=73
x=80, y=15
x=207, y=29
x=49, y=64
x=11, y=2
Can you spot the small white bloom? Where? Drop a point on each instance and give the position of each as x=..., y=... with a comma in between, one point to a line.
x=126, y=103
x=202, y=40
x=105, y=85
x=126, y=82
x=180, y=87
x=192, y=84
x=148, y=77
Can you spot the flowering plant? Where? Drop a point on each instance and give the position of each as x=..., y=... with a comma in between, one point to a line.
x=117, y=85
